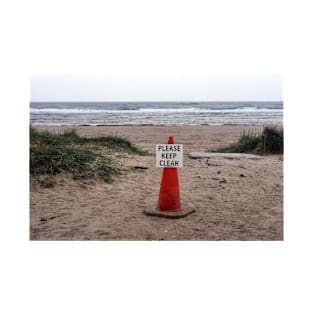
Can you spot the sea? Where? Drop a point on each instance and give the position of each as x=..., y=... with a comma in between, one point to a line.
x=156, y=113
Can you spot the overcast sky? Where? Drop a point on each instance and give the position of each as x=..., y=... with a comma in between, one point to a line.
x=197, y=88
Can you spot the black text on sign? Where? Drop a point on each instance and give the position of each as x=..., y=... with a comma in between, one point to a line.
x=169, y=155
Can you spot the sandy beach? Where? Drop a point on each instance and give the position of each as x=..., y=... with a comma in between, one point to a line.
x=233, y=199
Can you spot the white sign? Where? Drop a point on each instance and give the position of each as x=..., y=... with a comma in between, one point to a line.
x=169, y=155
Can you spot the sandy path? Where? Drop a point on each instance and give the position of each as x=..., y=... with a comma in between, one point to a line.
x=234, y=199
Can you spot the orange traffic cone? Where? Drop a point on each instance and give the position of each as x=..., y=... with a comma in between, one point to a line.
x=169, y=198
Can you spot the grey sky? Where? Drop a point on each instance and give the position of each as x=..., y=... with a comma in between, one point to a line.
x=196, y=88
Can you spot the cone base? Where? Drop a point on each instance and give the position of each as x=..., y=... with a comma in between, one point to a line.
x=168, y=214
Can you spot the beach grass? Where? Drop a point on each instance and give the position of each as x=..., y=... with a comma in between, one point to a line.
x=71, y=137
x=84, y=158
x=269, y=141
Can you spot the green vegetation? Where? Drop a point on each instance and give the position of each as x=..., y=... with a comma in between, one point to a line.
x=271, y=140
x=70, y=137
x=84, y=158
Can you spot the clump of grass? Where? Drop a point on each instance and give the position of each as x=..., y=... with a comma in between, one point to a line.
x=71, y=137
x=248, y=142
x=271, y=140
x=47, y=138
x=51, y=154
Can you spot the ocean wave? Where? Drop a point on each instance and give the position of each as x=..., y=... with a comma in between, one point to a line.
x=74, y=111
x=153, y=110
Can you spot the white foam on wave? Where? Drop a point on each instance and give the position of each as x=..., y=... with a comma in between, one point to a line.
x=170, y=110
x=76, y=111
x=153, y=111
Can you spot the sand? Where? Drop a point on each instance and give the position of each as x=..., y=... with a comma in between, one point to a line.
x=233, y=199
